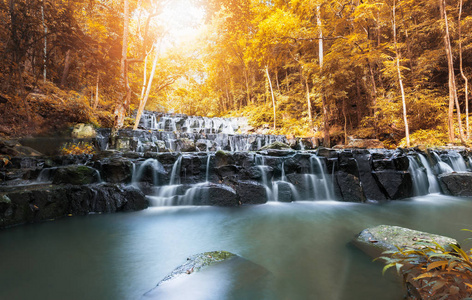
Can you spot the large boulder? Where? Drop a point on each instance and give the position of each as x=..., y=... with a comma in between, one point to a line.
x=365, y=143
x=350, y=187
x=212, y=276
x=76, y=174
x=396, y=184
x=375, y=240
x=117, y=170
x=12, y=148
x=251, y=192
x=276, y=146
x=83, y=131
x=456, y=184
x=216, y=195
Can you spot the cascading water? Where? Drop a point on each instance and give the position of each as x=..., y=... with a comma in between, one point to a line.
x=432, y=180
x=442, y=167
x=321, y=187
x=151, y=165
x=457, y=161
x=419, y=177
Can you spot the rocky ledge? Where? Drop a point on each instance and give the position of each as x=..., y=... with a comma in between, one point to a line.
x=36, y=203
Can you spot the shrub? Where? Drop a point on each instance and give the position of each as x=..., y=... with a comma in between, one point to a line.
x=77, y=148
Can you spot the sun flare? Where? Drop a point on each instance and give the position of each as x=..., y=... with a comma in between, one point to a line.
x=182, y=20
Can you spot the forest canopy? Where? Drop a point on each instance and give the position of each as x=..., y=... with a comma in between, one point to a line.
x=397, y=70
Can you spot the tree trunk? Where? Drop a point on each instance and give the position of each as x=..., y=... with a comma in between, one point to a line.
x=45, y=50
x=326, y=138
x=271, y=93
x=452, y=82
x=143, y=101
x=95, y=104
x=120, y=107
x=358, y=101
x=65, y=73
x=345, y=121
x=374, y=99
x=463, y=75
x=308, y=100
x=400, y=81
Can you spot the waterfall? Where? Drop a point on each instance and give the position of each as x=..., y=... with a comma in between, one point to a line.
x=260, y=163
x=207, y=170
x=322, y=188
x=418, y=176
x=442, y=167
x=151, y=164
x=432, y=180
x=457, y=161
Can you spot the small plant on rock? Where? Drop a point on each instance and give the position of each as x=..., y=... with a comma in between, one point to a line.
x=432, y=271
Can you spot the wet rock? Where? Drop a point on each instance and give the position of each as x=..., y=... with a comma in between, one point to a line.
x=276, y=146
x=251, y=192
x=365, y=143
x=14, y=148
x=227, y=171
x=369, y=184
x=83, y=131
x=278, y=153
x=456, y=184
x=327, y=153
x=396, y=184
x=212, y=276
x=76, y=175
x=350, y=187
x=118, y=170
x=284, y=192
x=45, y=202
x=186, y=145
x=375, y=240
x=216, y=195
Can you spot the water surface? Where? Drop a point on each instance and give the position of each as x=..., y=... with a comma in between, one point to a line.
x=305, y=246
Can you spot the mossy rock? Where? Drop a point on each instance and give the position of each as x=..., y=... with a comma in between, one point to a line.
x=276, y=146
x=76, y=175
x=375, y=240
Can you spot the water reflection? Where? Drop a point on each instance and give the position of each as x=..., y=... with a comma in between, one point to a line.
x=304, y=245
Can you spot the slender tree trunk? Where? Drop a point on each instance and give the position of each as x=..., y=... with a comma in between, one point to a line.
x=308, y=100
x=345, y=121
x=271, y=93
x=142, y=102
x=246, y=81
x=277, y=81
x=358, y=101
x=452, y=82
x=120, y=107
x=463, y=75
x=95, y=104
x=65, y=73
x=326, y=137
x=374, y=99
x=400, y=81
x=45, y=50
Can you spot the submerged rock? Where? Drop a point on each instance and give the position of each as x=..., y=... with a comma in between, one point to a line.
x=456, y=184
x=375, y=240
x=212, y=275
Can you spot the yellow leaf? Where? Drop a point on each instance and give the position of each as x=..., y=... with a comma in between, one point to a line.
x=436, y=264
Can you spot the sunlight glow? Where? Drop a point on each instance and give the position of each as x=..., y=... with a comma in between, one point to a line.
x=182, y=20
